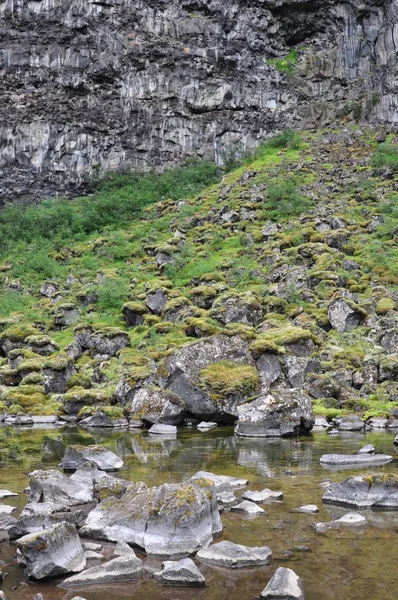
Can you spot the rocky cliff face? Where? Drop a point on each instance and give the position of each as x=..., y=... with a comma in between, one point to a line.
x=94, y=85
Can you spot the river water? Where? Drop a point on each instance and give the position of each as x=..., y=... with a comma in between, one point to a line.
x=344, y=564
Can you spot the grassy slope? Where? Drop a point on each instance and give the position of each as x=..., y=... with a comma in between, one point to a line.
x=108, y=243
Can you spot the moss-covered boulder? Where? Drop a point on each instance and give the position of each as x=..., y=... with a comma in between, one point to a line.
x=345, y=315
x=186, y=371
x=134, y=313
x=41, y=344
x=66, y=314
x=76, y=398
x=56, y=372
x=15, y=337
x=237, y=308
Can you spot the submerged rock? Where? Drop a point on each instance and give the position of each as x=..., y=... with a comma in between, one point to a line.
x=76, y=456
x=307, y=509
x=222, y=483
x=122, y=568
x=351, y=423
x=379, y=491
x=287, y=412
x=350, y=519
x=228, y=554
x=180, y=573
x=167, y=520
x=249, y=508
x=354, y=460
x=53, y=551
x=262, y=496
x=284, y=585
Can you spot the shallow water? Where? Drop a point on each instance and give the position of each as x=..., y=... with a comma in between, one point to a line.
x=342, y=564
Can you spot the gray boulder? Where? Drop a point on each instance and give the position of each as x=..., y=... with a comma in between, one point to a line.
x=285, y=412
x=122, y=568
x=354, y=460
x=76, y=456
x=6, y=494
x=228, y=554
x=53, y=551
x=167, y=520
x=180, y=573
x=221, y=483
x=164, y=430
x=284, y=585
x=379, y=491
x=54, y=486
x=367, y=449
x=345, y=315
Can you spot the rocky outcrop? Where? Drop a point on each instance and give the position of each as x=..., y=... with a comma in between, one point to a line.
x=90, y=86
x=365, y=491
x=228, y=554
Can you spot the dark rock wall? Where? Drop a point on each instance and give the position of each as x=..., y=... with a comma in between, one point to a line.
x=89, y=86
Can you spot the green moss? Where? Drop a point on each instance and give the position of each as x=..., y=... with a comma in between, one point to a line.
x=384, y=305
x=201, y=327
x=276, y=340
x=136, y=307
x=19, y=332
x=388, y=479
x=80, y=380
x=93, y=396
x=226, y=378
x=57, y=363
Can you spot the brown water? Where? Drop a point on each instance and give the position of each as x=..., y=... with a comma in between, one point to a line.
x=344, y=564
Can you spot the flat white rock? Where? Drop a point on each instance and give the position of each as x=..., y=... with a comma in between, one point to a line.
x=262, y=496
x=228, y=554
x=284, y=585
x=249, y=507
x=6, y=494
x=307, y=509
x=222, y=483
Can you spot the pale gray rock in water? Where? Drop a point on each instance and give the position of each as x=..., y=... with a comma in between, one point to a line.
x=123, y=549
x=7, y=509
x=307, y=509
x=284, y=585
x=365, y=491
x=348, y=520
x=367, y=449
x=285, y=412
x=228, y=554
x=351, y=423
x=221, y=482
x=122, y=568
x=167, y=520
x=160, y=429
x=180, y=573
x=206, y=425
x=249, y=508
x=6, y=494
x=92, y=546
x=262, y=496
x=226, y=499
x=91, y=555
x=75, y=456
x=54, y=486
x=53, y=551
x=354, y=460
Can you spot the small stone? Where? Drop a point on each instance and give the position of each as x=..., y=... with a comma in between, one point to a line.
x=7, y=509
x=92, y=546
x=354, y=460
x=308, y=509
x=6, y=494
x=228, y=554
x=180, y=573
x=262, y=496
x=250, y=508
x=349, y=519
x=91, y=555
x=123, y=549
x=76, y=456
x=227, y=499
x=206, y=425
x=159, y=429
x=221, y=482
x=122, y=568
x=367, y=449
x=284, y=585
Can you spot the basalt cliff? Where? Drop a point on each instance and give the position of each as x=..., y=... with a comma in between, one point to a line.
x=90, y=86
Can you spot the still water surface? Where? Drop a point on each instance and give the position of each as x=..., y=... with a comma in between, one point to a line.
x=345, y=564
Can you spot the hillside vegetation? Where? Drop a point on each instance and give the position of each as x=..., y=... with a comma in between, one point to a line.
x=295, y=244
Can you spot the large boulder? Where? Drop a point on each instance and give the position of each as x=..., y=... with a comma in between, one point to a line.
x=212, y=376
x=228, y=554
x=76, y=456
x=53, y=551
x=122, y=568
x=284, y=585
x=237, y=308
x=286, y=412
x=168, y=520
x=378, y=491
